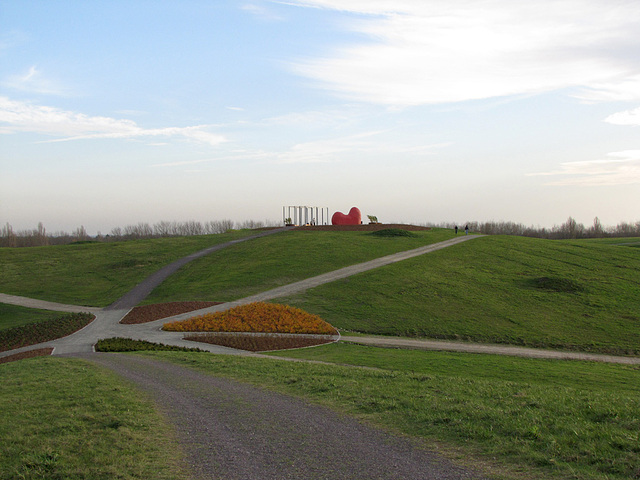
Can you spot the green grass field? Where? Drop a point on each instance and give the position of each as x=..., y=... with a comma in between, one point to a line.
x=579, y=295
x=94, y=274
x=270, y=262
x=66, y=419
x=519, y=418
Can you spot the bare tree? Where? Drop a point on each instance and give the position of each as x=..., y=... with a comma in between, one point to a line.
x=80, y=234
x=9, y=238
x=218, y=226
x=141, y=230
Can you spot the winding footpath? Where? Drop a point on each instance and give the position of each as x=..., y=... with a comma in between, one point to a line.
x=107, y=323
x=231, y=430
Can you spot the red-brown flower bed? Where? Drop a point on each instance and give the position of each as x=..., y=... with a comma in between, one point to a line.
x=150, y=313
x=259, y=343
x=39, y=352
x=256, y=317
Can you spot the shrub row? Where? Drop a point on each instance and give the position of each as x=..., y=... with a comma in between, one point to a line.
x=258, y=343
x=118, y=344
x=393, y=232
x=255, y=317
x=39, y=332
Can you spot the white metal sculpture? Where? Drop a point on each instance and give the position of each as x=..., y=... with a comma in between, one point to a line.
x=305, y=215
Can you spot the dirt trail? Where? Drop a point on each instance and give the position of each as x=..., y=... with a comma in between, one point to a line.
x=231, y=430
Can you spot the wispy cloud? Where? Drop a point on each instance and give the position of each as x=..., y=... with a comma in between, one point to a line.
x=25, y=117
x=621, y=168
x=342, y=149
x=262, y=12
x=34, y=81
x=424, y=52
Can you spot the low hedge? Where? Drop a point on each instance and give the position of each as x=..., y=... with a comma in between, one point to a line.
x=118, y=344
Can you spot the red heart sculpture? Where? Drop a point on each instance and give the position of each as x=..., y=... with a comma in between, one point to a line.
x=353, y=218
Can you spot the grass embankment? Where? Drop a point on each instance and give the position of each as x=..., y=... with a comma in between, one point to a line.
x=271, y=262
x=520, y=418
x=579, y=295
x=67, y=419
x=94, y=274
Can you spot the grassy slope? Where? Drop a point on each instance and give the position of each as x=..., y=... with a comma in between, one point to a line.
x=67, y=419
x=270, y=262
x=487, y=290
x=93, y=274
x=550, y=419
x=483, y=290
x=14, y=316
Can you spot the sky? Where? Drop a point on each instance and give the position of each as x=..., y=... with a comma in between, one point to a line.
x=415, y=111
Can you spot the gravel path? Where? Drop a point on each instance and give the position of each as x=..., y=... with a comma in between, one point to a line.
x=231, y=430
x=490, y=349
x=106, y=323
x=144, y=288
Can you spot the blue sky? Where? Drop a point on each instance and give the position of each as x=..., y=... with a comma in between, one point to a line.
x=113, y=113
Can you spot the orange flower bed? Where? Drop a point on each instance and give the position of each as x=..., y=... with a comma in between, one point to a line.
x=255, y=317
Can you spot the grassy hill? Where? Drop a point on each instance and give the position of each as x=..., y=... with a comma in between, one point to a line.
x=515, y=418
x=94, y=274
x=270, y=262
x=579, y=295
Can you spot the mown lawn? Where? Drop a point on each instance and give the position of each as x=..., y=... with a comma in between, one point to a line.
x=94, y=274
x=66, y=419
x=516, y=418
x=270, y=262
x=580, y=295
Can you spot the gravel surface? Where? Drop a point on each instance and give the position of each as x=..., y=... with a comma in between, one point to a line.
x=492, y=349
x=234, y=431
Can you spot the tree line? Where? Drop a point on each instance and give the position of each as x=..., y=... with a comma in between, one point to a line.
x=570, y=229
x=40, y=237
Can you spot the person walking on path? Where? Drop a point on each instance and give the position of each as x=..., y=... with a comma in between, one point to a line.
x=456, y=229
x=466, y=229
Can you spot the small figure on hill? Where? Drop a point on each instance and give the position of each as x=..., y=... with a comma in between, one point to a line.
x=456, y=229
x=466, y=229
